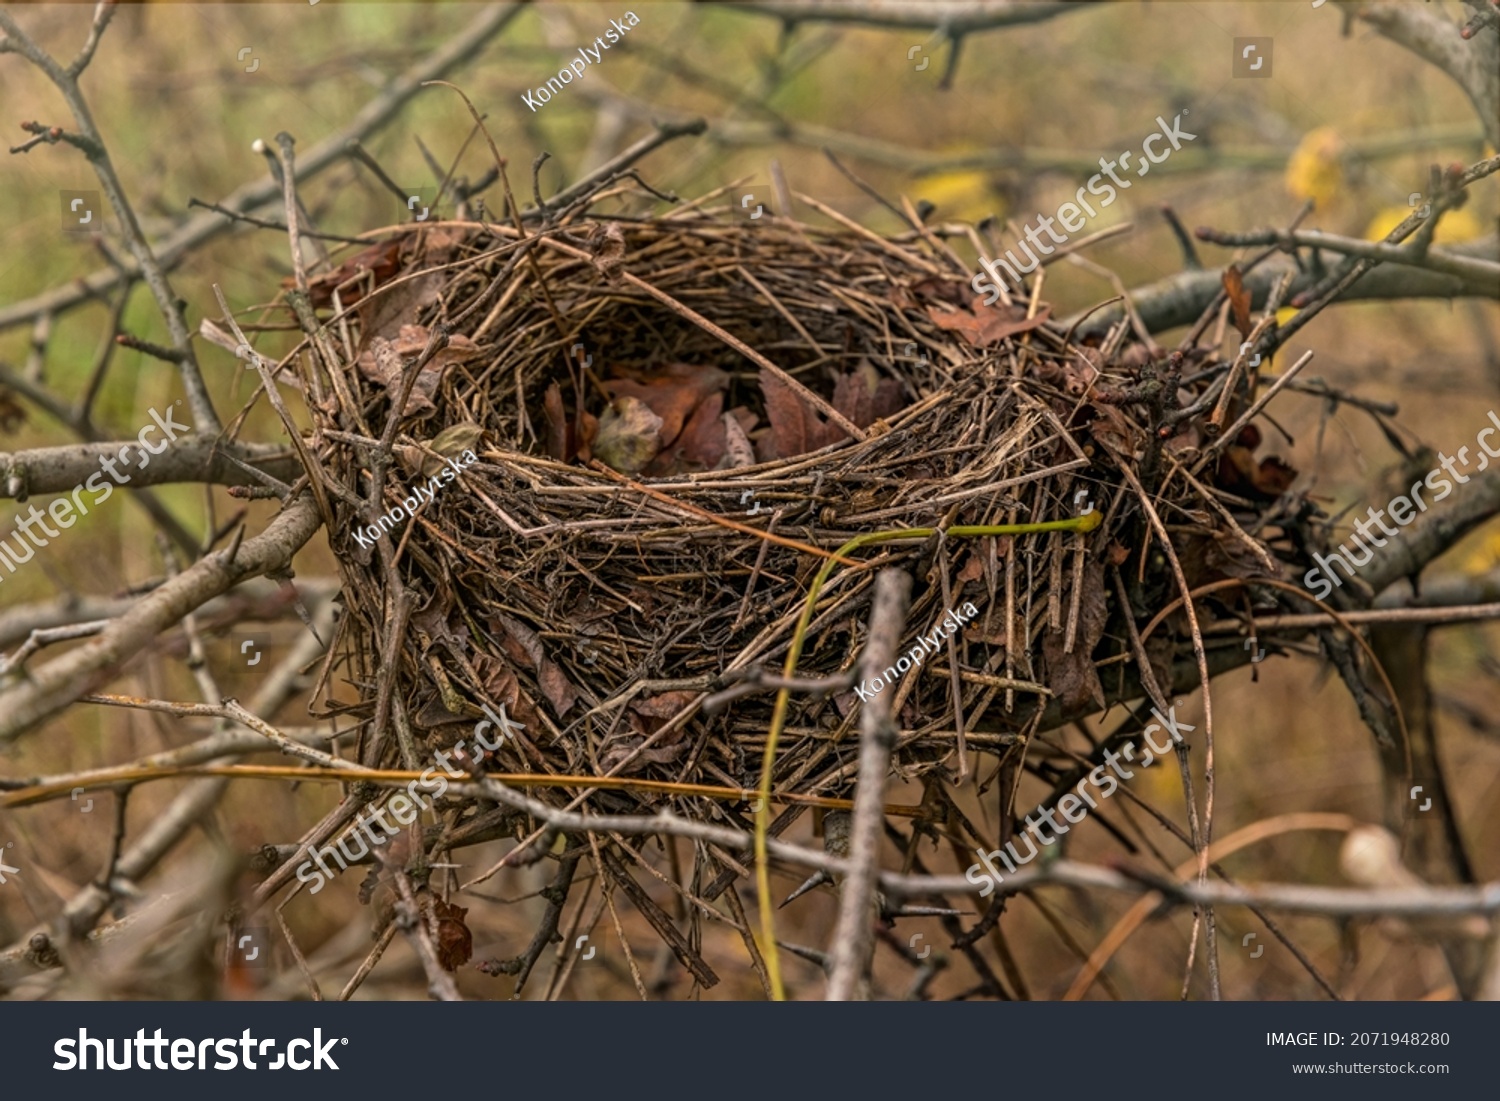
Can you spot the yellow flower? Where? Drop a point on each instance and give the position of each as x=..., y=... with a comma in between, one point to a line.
x=1456, y=226
x=1484, y=558
x=1316, y=170
x=963, y=195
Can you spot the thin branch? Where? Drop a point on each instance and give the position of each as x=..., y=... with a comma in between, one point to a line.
x=55, y=685
x=952, y=17
x=151, y=267
x=853, y=938
x=381, y=110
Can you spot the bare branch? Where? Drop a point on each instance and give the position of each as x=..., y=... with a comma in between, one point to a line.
x=196, y=458
x=952, y=17
x=1474, y=63
x=1180, y=299
x=59, y=683
x=853, y=938
x=150, y=266
x=103, y=13
x=170, y=251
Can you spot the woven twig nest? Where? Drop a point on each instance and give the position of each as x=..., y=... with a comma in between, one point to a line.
x=603, y=604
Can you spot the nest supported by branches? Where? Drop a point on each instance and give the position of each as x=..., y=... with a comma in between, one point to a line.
x=638, y=440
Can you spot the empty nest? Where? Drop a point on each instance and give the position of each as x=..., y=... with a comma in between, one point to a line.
x=661, y=427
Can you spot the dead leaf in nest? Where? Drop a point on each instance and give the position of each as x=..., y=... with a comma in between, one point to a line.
x=973, y=569
x=864, y=397
x=737, y=448
x=450, y=443
x=663, y=706
x=455, y=944
x=1113, y=429
x=908, y=296
x=660, y=754
x=629, y=436
x=433, y=629
x=648, y=715
x=983, y=326
x=440, y=242
x=1239, y=299
x=1187, y=437
x=524, y=647
x=1072, y=677
x=500, y=684
x=672, y=393
x=1226, y=555
x=794, y=426
x=382, y=261
x=384, y=362
x=560, y=445
x=1242, y=474
x=607, y=250
x=1073, y=376
x=435, y=716
x=567, y=439
x=861, y=396
x=701, y=444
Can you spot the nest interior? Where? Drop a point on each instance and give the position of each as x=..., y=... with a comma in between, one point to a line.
x=663, y=426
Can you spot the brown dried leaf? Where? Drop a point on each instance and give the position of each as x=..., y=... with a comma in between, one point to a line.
x=983, y=326
x=793, y=425
x=559, y=446
x=440, y=242
x=524, y=646
x=737, y=449
x=853, y=396
x=863, y=397
x=1072, y=677
x=1111, y=424
x=1241, y=473
x=433, y=628
x=700, y=446
x=384, y=361
x=672, y=393
x=663, y=706
x=621, y=747
x=501, y=685
x=455, y=944
x=1239, y=299
x=973, y=570
x=586, y=430
x=382, y=261
x=607, y=250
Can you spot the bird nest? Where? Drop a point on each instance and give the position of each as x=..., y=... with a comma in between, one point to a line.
x=626, y=447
